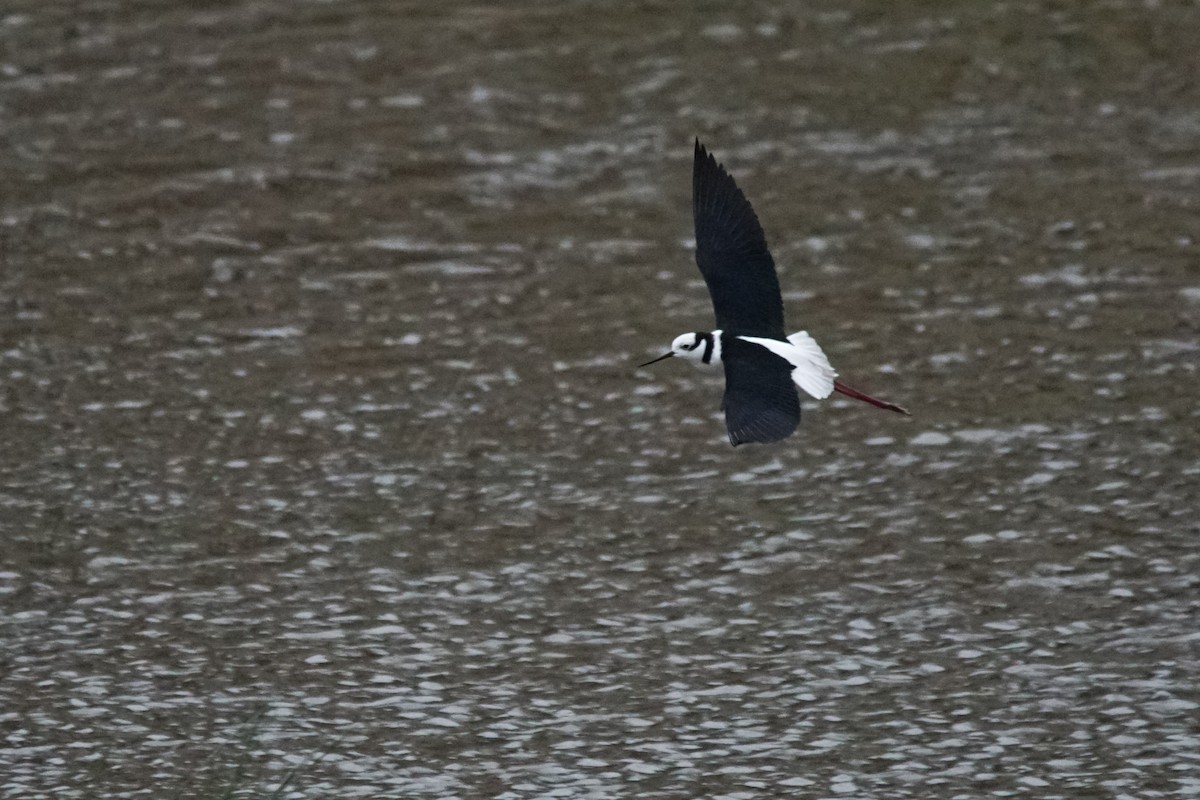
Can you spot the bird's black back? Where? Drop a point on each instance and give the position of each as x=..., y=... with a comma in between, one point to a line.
x=732, y=253
x=761, y=403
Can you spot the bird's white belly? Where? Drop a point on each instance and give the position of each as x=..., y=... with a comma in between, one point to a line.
x=811, y=370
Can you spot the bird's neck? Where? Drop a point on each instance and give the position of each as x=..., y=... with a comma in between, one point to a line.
x=712, y=348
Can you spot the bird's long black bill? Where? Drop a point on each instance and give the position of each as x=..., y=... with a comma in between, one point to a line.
x=656, y=360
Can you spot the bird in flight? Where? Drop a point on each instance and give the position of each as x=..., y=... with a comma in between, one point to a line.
x=763, y=365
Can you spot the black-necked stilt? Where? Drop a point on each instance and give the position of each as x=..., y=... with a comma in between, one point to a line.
x=763, y=365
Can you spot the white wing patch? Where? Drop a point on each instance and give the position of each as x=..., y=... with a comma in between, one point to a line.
x=811, y=370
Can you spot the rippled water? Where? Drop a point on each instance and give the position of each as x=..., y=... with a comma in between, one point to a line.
x=326, y=465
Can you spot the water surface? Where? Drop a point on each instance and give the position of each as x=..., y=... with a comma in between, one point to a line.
x=326, y=463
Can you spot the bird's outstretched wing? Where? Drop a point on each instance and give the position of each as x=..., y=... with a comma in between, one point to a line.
x=761, y=404
x=732, y=253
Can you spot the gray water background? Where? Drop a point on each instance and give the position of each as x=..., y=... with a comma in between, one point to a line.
x=323, y=449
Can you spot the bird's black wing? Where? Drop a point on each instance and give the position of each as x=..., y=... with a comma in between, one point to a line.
x=761, y=404
x=732, y=253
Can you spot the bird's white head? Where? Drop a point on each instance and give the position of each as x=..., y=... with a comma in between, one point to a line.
x=702, y=348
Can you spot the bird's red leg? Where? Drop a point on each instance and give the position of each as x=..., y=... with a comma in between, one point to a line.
x=838, y=386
